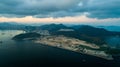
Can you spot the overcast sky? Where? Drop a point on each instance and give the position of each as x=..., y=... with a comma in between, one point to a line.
x=77, y=11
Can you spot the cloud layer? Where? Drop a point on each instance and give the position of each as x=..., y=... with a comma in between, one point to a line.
x=60, y=8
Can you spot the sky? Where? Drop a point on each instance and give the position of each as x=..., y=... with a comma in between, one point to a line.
x=60, y=11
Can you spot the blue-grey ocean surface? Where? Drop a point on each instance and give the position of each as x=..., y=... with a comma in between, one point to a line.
x=28, y=54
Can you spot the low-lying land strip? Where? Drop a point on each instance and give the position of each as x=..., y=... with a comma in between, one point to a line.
x=74, y=45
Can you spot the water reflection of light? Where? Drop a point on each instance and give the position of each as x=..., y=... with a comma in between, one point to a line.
x=6, y=36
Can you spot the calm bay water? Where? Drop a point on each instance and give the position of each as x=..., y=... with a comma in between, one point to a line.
x=114, y=42
x=28, y=54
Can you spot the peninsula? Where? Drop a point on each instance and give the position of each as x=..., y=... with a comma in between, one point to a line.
x=82, y=39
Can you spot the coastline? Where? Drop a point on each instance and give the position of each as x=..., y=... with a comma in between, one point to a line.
x=77, y=52
x=61, y=43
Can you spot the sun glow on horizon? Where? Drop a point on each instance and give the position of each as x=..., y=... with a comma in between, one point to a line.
x=77, y=19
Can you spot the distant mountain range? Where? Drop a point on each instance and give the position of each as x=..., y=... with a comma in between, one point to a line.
x=83, y=32
x=87, y=33
x=14, y=25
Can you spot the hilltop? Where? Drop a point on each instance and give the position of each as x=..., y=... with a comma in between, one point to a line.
x=82, y=32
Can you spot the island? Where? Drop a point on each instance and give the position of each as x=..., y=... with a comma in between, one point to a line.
x=68, y=43
x=82, y=39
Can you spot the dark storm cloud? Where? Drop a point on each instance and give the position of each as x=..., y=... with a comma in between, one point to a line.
x=35, y=7
x=60, y=8
x=103, y=8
